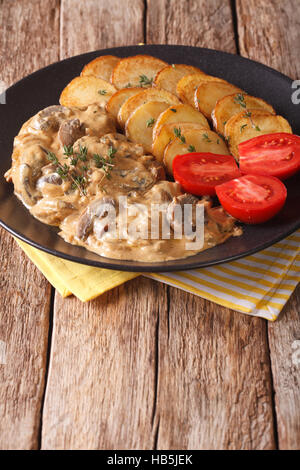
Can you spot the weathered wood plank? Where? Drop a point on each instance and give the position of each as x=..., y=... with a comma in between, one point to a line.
x=25, y=294
x=284, y=339
x=214, y=386
x=199, y=23
x=269, y=31
x=29, y=36
x=24, y=307
x=28, y=41
x=214, y=378
x=101, y=385
x=91, y=25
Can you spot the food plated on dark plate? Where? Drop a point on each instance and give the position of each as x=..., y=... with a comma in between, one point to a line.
x=146, y=162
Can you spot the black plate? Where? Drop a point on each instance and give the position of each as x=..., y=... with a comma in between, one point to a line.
x=43, y=88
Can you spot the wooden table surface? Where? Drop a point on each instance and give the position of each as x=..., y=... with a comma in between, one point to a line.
x=144, y=366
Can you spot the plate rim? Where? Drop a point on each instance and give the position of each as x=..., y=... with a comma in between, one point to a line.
x=138, y=266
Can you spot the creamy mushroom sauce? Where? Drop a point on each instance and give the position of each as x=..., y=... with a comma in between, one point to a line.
x=79, y=212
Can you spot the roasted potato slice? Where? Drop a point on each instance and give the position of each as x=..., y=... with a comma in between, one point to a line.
x=169, y=132
x=208, y=93
x=83, y=91
x=139, y=125
x=233, y=104
x=179, y=113
x=169, y=76
x=248, y=124
x=115, y=102
x=138, y=70
x=101, y=67
x=187, y=85
x=203, y=141
x=151, y=94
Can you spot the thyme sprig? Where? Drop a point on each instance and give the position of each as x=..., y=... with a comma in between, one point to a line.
x=248, y=114
x=76, y=175
x=206, y=138
x=150, y=122
x=178, y=134
x=240, y=99
x=106, y=163
x=145, y=81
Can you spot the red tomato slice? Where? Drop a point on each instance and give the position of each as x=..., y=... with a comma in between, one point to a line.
x=200, y=173
x=272, y=154
x=252, y=198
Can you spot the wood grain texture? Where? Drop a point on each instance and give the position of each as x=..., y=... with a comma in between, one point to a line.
x=28, y=41
x=195, y=23
x=101, y=384
x=101, y=387
x=206, y=363
x=29, y=36
x=284, y=339
x=92, y=24
x=214, y=387
x=24, y=309
x=269, y=31
x=144, y=366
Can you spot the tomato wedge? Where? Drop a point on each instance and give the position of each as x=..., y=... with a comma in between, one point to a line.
x=272, y=154
x=200, y=173
x=252, y=199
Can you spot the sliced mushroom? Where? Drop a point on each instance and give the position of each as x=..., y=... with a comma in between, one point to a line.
x=97, y=209
x=24, y=186
x=51, y=117
x=50, y=178
x=70, y=131
x=54, y=109
x=223, y=220
x=158, y=172
x=175, y=220
x=52, y=211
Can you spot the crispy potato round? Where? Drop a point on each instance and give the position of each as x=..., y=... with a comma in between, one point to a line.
x=101, y=67
x=233, y=104
x=249, y=124
x=169, y=76
x=138, y=70
x=168, y=132
x=205, y=141
x=180, y=113
x=208, y=93
x=115, y=102
x=150, y=94
x=139, y=125
x=187, y=85
x=83, y=91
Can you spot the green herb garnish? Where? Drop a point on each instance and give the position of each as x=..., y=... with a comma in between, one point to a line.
x=240, y=99
x=64, y=171
x=206, y=138
x=106, y=164
x=145, y=81
x=150, y=122
x=177, y=132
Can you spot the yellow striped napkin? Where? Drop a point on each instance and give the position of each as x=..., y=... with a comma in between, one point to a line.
x=259, y=284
